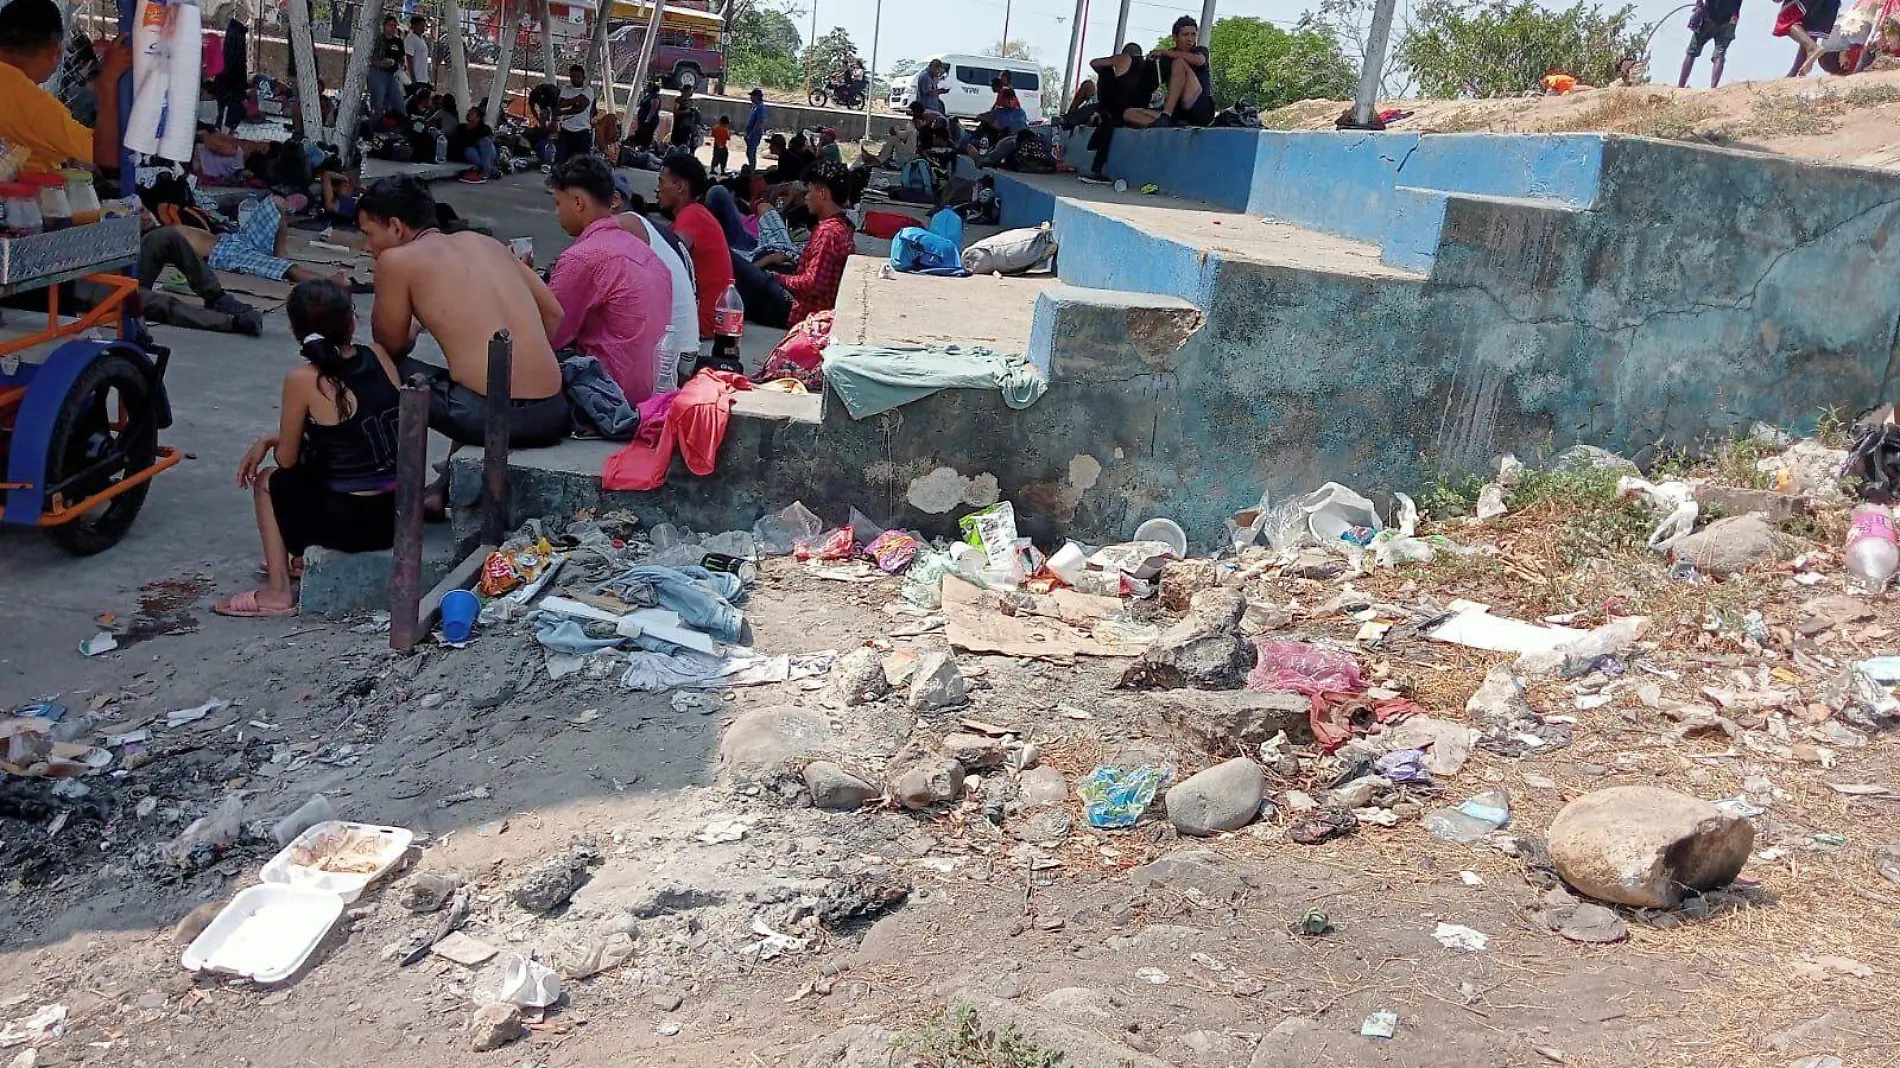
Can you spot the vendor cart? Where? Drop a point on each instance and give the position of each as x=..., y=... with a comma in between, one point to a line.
x=82, y=397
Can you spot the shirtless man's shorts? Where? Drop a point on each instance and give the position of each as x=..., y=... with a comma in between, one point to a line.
x=462, y=288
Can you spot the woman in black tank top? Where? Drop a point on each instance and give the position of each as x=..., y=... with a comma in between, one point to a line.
x=335, y=479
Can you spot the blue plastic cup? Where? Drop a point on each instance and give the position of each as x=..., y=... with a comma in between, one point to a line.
x=459, y=608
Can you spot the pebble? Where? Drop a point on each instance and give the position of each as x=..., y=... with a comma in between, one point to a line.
x=493, y=1026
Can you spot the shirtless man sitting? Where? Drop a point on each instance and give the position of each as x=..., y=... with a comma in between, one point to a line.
x=462, y=288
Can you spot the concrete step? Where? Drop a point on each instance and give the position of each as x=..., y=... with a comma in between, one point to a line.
x=1095, y=336
x=1418, y=216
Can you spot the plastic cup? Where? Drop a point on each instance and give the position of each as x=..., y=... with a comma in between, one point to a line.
x=459, y=609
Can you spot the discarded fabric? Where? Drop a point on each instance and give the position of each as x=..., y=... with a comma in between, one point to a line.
x=870, y=380
x=1113, y=798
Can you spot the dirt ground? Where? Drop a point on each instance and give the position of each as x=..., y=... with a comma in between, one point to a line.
x=821, y=938
x=1853, y=121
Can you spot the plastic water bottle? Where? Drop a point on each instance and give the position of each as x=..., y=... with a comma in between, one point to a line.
x=1872, y=555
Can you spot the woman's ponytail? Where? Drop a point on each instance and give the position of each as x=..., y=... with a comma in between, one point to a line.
x=321, y=314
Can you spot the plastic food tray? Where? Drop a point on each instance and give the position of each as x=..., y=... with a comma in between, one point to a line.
x=347, y=886
x=102, y=245
x=265, y=933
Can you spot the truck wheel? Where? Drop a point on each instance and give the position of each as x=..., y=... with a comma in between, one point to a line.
x=686, y=77
x=84, y=435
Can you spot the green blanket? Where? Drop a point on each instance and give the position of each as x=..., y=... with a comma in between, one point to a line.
x=870, y=379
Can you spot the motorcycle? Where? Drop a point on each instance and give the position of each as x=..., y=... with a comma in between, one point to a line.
x=838, y=91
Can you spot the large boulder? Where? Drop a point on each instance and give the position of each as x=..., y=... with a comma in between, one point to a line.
x=766, y=745
x=1221, y=722
x=1647, y=847
x=1225, y=797
x=1205, y=650
x=1730, y=546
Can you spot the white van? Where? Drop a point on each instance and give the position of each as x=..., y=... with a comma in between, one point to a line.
x=966, y=85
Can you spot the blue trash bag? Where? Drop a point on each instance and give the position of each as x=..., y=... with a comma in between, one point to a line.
x=918, y=251
x=948, y=225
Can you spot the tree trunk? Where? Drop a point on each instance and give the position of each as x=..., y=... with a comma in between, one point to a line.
x=458, y=56
x=598, y=64
x=506, y=23
x=646, y=61
x=547, y=42
x=727, y=10
x=349, y=108
x=309, y=97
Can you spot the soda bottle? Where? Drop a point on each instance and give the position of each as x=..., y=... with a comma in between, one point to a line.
x=1872, y=555
x=728, y=328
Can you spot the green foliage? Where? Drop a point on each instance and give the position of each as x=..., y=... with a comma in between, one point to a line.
x=1012, y=50
x=1267, y=66
x=1452, y=496
x=828, y=54
x=960, y=1041
x=1486, y=48
x=765, y=49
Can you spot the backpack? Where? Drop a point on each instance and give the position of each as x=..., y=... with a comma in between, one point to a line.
x=919, y=251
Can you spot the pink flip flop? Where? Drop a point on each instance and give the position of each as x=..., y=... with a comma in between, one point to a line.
x=244, y=606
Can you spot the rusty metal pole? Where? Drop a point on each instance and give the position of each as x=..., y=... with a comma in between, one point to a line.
x=501, y=359
x=412, y=476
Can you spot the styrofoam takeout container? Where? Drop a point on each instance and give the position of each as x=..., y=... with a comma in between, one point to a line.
x=346, y=885
x=265, y=934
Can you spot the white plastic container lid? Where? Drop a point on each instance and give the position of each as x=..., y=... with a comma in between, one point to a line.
x=391, y=843
x=265, y=934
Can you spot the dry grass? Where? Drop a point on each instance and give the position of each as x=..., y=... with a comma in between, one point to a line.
x=1642, y=113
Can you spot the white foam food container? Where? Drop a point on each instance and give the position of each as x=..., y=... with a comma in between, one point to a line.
x=265, y=934
x=390, y=844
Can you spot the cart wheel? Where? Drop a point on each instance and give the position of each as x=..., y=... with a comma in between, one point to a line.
x=108, y=412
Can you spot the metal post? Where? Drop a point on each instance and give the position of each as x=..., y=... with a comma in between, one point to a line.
x=1007, y=6
x=547, y=40
x=870, y=92
x=645, y=64
x=1374, y=71
x=412, y=475
x=501, y=359
x=1075, y=48
x=1207, y=20
x=1121, y=27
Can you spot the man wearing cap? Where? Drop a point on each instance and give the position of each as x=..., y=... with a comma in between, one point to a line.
x=755, y=129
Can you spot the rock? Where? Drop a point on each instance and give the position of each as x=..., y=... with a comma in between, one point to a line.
x=547, y=886
x=936, y=781
x=766, y=745
x=493, y=1026
x=1182, y=579
x=428, y=891
x=1730, y=546
x=1816, y=470
x=900, y=667
x=1584, y=922
x=1204, y=650
x=1225, y=797
x=1009, y=987
x=1777, y=508
x=974, y=751
x=1645, y=846
x=1591, y=458
x=1299, y=801
x=1041, y=786
x=1826, y=613
x=858, y=677
x=938, y=684
x=1358, y=793
x=1196, y=873
x=1042, y=827
x=666, y=1000
x=834, y=788
x=1499, y=702
x=1316, y=564
x=1221, y=722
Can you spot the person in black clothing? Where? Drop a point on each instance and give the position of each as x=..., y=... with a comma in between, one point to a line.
x=235, y=80
x=473, y=143
x=685, y=121
x=647, y=120
x=385, y=82
x=335, y=479
x=1123, y=82
x=1183, y=70
x=1712, y=20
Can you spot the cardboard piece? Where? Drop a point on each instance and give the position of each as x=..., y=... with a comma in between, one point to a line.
x=977, y=625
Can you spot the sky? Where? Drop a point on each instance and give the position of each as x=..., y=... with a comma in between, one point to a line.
x=913, y=28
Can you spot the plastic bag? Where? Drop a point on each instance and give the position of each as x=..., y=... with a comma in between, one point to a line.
x=923, y=583
x=1114, y=798
x=1874, y=457
x=778, y=533
x=992, y=530
x=205, y=840
x=1296, y=667
x=1335, y=513
x=834, y=545
x=893, y=550
x=524, y=982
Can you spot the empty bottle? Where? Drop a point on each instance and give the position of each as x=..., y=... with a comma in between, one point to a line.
x=1872, y=555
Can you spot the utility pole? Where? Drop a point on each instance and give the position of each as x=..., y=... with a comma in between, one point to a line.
x=811, y=51
x=1075, y=48
x=507, y=25
x=1121, y=27
x=1373, y=72
x=1004, y=51
x=547, y=40
x=870, y=91
x=645, y=62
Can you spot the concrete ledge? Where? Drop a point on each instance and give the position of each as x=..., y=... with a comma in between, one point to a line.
x=345, y=584
x=1106, y=335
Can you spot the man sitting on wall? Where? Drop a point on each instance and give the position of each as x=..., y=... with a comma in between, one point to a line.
x=616, y=297
x=1183, y=69
x=783, y=300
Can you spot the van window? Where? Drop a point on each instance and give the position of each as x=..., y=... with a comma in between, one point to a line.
x=1021, y=80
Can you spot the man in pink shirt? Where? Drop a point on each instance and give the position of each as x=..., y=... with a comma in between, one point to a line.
x=616, y=296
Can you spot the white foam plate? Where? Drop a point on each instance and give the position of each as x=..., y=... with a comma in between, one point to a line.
x=265, y=933
x=346, y=885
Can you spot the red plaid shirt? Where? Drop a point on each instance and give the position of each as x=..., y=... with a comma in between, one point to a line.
x=821, y=269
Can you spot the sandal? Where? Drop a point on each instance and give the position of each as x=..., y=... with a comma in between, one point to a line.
x=244, y=606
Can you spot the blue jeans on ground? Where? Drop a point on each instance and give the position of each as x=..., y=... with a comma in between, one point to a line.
x=482, y=155
x=385, y=93
x=719, y=201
